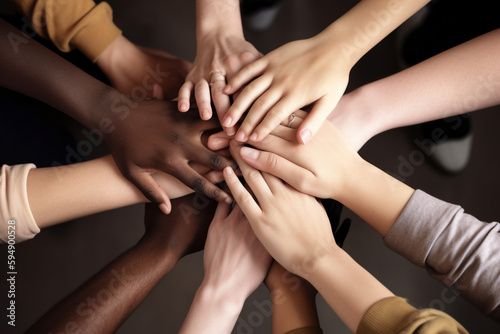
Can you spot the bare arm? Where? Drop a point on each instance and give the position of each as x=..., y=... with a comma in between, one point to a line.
x=143, y=135
x=59, y=194
x=463, y=79
x=105, y=301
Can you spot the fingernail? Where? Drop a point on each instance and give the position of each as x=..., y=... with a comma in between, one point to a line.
x=228, y=170
x=253, y=137
x=227, y=89
x=206, y=115
x=305, y=135
x=230, y=130
x=228, y=200
x=164, y=208
x=227, y=121
x=184, y=107
x=240, y=136
x=249, y=153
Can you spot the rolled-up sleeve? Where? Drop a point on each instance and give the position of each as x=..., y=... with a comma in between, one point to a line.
x=72, y=24
x=455, y=248
x=14, y=206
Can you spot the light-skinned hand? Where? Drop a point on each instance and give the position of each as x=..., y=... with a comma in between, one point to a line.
x=218, y=58
x=289, y=78
x=282, y=216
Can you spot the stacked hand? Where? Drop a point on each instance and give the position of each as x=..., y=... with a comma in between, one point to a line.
x=218, y=58
x=287, y=79
x=154, y=137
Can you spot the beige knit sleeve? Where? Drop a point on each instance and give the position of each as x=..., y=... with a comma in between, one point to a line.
x=72, y=24
x=16, y=219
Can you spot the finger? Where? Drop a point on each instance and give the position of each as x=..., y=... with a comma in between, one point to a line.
x=214, y=176
x=221, y=100
x=275, y=183
x=279, y=113
x=145, y=182
x=222, y=211
x=244, y=199
x=314, y=120
x=244, y=75
x=252, y=176
x=203, y=155
x=198, y=183
x=295, y=175
x=295, y=120
x=256, y=114
x=158, y=92
x=275, y=144
x=218, y=141
x=185, y=96
x=202, y=95
x=247, y=96
x=284, y=132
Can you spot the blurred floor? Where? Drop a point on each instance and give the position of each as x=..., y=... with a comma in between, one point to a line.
x=61, y=258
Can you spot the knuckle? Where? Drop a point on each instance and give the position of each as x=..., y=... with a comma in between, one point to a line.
x=253, y=175
x=272, y=161
x=215, y=161
x=199, y=184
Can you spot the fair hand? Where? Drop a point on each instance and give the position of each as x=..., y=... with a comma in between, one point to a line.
x=234, y=258
x=142, y=72
x=289, y=78
x=152, y=136
x=215, y=55
x=321, y=168
x=281, y=216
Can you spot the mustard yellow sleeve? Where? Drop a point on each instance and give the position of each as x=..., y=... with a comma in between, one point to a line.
x=16, y=220
x=72, y=24
x=395, y=315
x=306, y=330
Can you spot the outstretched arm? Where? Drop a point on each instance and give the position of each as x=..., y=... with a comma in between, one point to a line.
x=221, y=51
x=356, y=296
x=235, y=265
x=60, y=194
x=463, y=79
x=144, y=135
x=105, y=301
x=314, y=70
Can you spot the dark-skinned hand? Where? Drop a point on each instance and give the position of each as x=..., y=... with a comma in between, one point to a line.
x=151, y=137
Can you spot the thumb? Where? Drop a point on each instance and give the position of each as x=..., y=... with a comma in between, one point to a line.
x=145, y=182
x=313, y=122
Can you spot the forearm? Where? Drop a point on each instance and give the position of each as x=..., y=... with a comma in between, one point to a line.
x=375, y=196
x=214, y=310
x=463, y=79
x=218, y=17
x=104, y=302
x=59, y=194
x=293, y=309
x=33, y=70
x=348, y=288
x=365, y=25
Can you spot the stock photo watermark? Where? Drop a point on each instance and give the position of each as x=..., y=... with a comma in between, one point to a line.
x=11, y=272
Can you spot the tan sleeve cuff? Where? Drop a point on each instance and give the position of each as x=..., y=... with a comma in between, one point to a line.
x=395, y=315
x=14, y=206
x=72, y=24
x=99, y=32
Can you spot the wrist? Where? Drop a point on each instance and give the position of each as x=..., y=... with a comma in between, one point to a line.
x=225, y=302
x=214, y=19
